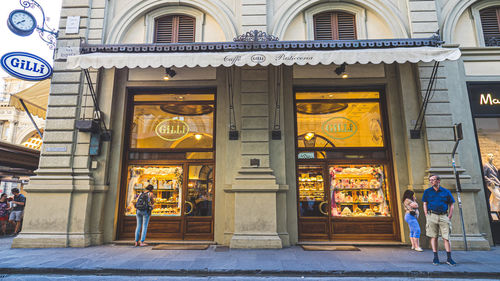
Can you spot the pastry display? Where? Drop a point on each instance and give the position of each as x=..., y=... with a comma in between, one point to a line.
x=369, y=213
x=167, y=188
x=311, y=186
x=360, y=189
x=346, y=212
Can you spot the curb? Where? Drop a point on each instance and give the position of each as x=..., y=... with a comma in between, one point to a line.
x=262, y=273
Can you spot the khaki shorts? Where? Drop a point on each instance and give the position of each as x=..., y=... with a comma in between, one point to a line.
x=436, y=223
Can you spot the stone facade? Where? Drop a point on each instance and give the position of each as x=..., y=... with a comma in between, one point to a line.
x=255, y=207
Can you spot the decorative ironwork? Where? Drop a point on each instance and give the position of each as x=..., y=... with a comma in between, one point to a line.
x=244, y=46
x=492, y=42
x=47, y=34
x=255, y=36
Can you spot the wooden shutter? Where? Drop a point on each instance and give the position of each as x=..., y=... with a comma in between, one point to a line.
x=186, y=29
x=174, y=29
x=490, y=21
x=164, y=30
x=323, y=27
x=346, y=26
x=334, y=26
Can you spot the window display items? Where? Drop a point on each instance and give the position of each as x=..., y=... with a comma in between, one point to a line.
x=167, y=187
x=359, y=191
x=491, y=177
x=311, y=191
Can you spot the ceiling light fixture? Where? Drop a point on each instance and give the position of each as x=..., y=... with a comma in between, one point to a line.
x=309, y=136
x=169, y=73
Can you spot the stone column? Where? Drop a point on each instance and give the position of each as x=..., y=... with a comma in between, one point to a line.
x=255, y=188
x=60, y=200
x=12, y=130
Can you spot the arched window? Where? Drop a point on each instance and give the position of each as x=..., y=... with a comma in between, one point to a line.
x=334, y=26
x=174, y=29
x=490, y=23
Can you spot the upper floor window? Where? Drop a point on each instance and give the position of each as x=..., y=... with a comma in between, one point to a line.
x=490, y=22
x=334, y=26
x=174, y=29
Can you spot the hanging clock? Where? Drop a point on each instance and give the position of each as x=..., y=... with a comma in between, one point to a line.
x=21, y=22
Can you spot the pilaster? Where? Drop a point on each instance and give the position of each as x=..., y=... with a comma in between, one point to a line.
x=61, y=197
x=255, y=187
x=253, y=15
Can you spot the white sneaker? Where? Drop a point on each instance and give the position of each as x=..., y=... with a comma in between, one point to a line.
x=418, y=249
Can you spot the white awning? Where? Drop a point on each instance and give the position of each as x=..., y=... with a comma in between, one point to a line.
x=253, y=58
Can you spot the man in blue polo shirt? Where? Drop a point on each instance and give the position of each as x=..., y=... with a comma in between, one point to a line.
x=438, y=210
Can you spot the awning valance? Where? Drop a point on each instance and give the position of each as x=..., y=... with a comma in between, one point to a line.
x=263, y=58
x=35, y=98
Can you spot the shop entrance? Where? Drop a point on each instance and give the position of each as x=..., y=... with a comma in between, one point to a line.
x=345, y=185
x=486, y=114
x=170, y=145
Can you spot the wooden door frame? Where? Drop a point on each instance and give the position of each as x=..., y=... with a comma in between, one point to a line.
x=387, y=161
x=129, y=106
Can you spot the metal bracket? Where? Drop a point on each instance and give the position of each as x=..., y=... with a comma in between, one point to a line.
x=47, y=34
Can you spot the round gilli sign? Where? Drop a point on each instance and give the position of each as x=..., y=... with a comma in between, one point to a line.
x=172, y=129
x=26, y=66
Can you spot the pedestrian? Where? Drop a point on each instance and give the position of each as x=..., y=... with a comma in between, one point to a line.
x=438, y=209
x=16, y=215
x=4, y=212
x=144, y=205
x=411, y=206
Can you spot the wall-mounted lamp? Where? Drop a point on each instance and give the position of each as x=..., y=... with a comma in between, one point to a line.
x=169, y=73
x=341, y=70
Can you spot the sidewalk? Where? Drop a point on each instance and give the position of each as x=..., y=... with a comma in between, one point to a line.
x=293, y=261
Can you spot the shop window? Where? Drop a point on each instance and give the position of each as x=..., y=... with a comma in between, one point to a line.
x=359, y=191
x=334, y=26
x=488, y=136
x=167, y=188
x=171, y=147
x=174, y=29
x=340, y=119
x=490, y=23
x=179, y=124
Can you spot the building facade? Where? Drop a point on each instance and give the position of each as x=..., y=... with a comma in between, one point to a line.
x=15, y=125
x=17, y=136
x=253, y=152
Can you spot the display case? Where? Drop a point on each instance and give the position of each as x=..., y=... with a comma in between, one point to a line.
x=311, y=190
x=167, y=188
x=359, y=191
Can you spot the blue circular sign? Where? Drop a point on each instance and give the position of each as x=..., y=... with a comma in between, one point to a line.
x=26, y=66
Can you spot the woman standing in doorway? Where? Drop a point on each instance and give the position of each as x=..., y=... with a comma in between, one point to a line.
x=144, y=206
x=411, y=207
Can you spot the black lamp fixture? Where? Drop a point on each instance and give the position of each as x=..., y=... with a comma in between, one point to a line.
x=341, y=70
x=169, y=73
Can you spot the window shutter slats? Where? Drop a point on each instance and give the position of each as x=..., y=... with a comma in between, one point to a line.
x=346, y=26
x=174, y=29
x=490, y=22
x=186, y=29
x=323, y=27
x=334, y=26
x=164, y=30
